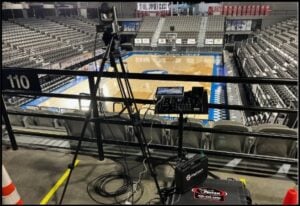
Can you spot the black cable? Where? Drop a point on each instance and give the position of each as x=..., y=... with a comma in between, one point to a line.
x=99, y=186
x=101, y=182
x=150, y=201
x=124, y=154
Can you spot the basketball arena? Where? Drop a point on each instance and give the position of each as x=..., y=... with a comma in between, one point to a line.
x=149, y=103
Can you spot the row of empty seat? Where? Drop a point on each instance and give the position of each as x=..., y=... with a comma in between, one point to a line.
x=148, y=27
x=215, y=27
x=186, y=27
x=197, y=28
x=194, y=139
x=41, y=42
x=268, y=63
x=267, y=56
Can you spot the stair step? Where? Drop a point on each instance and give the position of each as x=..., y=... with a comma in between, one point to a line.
x=156, y=34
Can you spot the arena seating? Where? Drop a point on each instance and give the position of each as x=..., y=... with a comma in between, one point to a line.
x=190, y=138
x=232, y=143
x=194, y=32
x=72, y=37
x=148, y=26
x=12, y=37
x=186, y=27
x=276, y=147
x=233, y=90
x=115, y=131
x=193, y=139
x=74, y=127
x=215, y=27
x=26, y=41
x=40, y=43
x=272, y=56
x=154, y=135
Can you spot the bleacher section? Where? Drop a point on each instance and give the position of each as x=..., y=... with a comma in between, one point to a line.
x=233, y=90
x=79, y=37
x=14, y=41
x=192, y=139
x=205, y=33
x=147, y=29
x=46, y=41
x=84, y=35
x=270, y=54
x=186, y=27
x=214, y=31
x=41, y=43
x=16, y=58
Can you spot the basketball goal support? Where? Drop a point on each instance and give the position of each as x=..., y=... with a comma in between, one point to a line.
x=171, y=40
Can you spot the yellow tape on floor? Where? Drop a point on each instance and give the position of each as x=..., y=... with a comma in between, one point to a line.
x=60, y=181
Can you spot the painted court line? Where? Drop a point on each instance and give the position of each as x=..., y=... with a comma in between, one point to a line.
x=53, y=190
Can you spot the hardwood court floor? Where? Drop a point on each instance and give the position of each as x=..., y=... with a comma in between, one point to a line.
x=144, y=89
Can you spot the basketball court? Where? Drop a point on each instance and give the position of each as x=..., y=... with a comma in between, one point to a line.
x=143, y=89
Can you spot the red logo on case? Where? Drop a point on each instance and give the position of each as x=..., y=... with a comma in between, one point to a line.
x=209, y=194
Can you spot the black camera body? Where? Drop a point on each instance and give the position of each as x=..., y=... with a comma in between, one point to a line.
x=108, y=23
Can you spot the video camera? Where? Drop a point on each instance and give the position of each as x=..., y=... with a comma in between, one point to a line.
x=108, y=22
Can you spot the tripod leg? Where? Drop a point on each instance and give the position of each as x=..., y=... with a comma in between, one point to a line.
x=180, y=135
x=72, y=165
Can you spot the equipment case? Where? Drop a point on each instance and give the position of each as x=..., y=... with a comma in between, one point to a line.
x=213, y=192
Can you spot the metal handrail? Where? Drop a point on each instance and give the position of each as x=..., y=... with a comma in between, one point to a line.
x=165, y=77
x=166, y=126
x=147, y=101
x=174, y=148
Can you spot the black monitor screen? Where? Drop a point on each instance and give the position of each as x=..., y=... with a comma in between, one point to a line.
x=169, y=91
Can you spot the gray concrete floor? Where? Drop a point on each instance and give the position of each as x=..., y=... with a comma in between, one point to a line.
x=34, y=172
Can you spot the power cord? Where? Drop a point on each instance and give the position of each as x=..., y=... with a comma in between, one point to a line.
x=148, y=143
x=98, y=185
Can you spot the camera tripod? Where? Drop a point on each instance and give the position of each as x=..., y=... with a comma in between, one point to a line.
x=130, y=105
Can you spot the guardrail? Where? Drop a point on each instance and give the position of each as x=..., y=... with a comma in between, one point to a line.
x=168, y=77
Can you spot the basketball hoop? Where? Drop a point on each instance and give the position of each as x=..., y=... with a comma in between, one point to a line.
x=171, y=40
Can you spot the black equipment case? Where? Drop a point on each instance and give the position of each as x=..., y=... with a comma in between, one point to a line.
x=213, y=192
